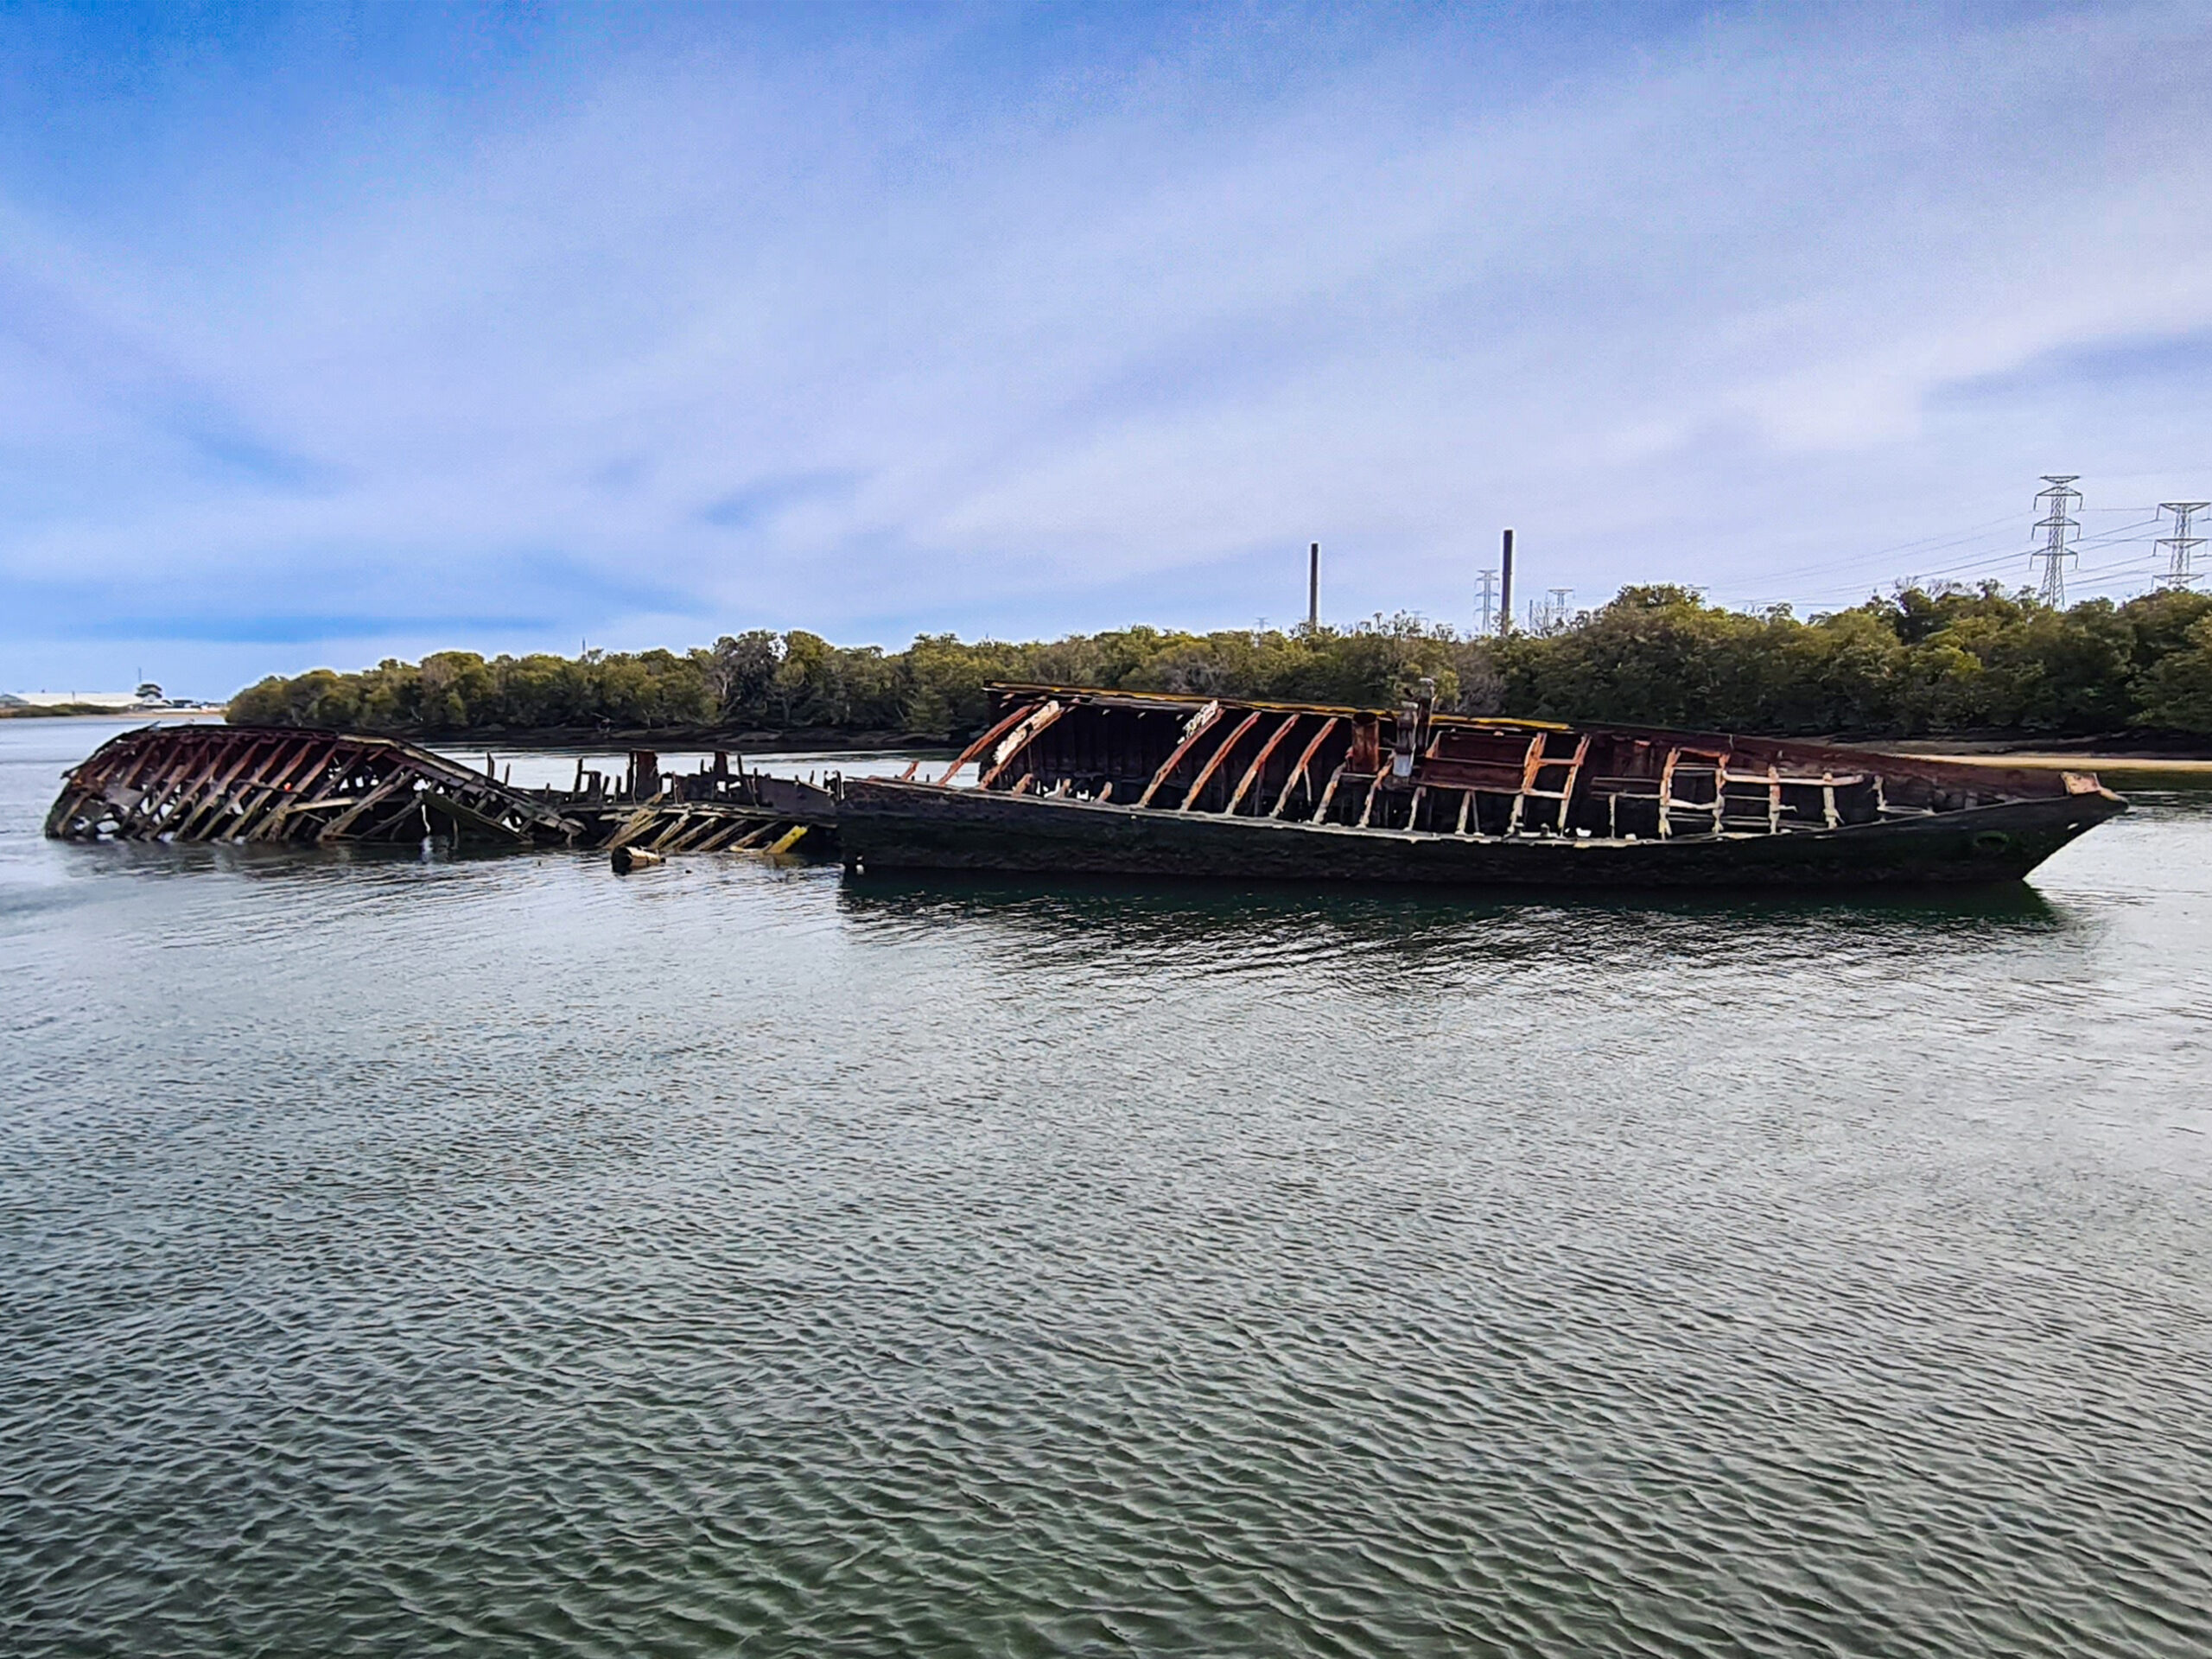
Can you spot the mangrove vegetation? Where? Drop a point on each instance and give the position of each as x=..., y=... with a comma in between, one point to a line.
x=1919, y=662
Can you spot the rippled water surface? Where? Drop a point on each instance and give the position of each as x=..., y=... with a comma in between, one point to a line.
x=498, y=1256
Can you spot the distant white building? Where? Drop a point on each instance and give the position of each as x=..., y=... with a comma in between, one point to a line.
x=121, y=702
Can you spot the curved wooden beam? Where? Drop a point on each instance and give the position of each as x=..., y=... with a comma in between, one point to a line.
x=1214, y=761
x=1304, y=761
x=1023, y=736
x=988, y=738
x=1252, y=773
x=1201, y=723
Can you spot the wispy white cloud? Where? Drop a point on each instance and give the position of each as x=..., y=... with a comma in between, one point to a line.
x=915, y=328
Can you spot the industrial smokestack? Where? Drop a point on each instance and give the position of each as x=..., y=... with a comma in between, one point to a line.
x=1505, y=587
x=1314, y=589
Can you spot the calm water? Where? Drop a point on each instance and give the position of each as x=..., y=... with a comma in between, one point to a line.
x=498, y=1256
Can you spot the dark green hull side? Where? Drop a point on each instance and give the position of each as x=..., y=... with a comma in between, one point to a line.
x=884, y=825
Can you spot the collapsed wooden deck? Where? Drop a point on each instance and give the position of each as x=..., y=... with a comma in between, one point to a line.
x=279, y=784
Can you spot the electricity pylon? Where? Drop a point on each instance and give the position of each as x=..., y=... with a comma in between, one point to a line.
x=2058, y=527
x=2181, y=543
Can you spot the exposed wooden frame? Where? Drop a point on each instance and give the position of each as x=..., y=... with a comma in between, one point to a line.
x=283, y=756
x=217, y=795
x=1716, y=761
x=1213, y=762
x=163, y=797
x=632, y=827
x=1532, y=777
x=1200, y=724
x=988, y=738
x=385, y=790
x=312, y=758
x=1304, y=761
x=1321, y=811
x=1023, y=735
x=1252, y=773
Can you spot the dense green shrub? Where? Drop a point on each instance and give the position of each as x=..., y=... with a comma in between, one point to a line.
x=1922, y=662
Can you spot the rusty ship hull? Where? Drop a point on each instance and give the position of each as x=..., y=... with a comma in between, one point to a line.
x=1071, y=781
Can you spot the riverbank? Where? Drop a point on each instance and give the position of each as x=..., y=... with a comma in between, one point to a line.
x=2130, y=755
x=2109, y=766
x=93, y=711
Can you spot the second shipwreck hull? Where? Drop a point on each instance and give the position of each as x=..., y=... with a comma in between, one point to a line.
x=284, y=784
x=1070, y=780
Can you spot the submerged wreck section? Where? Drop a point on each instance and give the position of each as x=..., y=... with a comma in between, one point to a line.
x=1066, y=778
x=204, y=783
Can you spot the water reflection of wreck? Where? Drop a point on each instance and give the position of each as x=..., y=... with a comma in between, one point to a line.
x=1071, y=780
x=280, y=784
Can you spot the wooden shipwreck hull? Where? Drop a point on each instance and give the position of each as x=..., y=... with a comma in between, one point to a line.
x=1069, y=780
x=207, y=783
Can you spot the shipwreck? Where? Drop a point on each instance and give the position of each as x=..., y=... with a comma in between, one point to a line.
x=1070, y=778
x=1074, y=779
x=265, y=784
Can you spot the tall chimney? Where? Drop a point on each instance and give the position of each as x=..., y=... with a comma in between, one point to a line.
x=1505, y=587
x=1314, y=589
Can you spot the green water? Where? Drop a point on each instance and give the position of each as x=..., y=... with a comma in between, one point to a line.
x=409, y=1255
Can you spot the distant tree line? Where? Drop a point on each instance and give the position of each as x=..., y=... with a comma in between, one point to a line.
x=1947, y=661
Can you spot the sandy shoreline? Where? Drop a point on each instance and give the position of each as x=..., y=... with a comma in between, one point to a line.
x=2107, y=764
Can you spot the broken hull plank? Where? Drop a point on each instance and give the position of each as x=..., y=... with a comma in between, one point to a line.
x=885, y=825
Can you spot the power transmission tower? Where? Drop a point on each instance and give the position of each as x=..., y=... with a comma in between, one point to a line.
x=2181, y=543
x=2058, y=527
x=1486, y=602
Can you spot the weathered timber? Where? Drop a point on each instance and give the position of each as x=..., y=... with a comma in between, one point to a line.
x=1198, y=789
x=1199, y=726
x=1302, y=771
x=240, y=783
x=1259, y=760
x=1414, y=795
x=1005, y=754
x=231, y=783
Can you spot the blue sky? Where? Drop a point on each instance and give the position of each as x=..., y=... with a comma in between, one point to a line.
x=335, y=333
